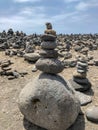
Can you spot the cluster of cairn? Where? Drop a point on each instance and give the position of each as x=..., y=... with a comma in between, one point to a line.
x=6, y=70
x=48, y=102
x=79, y=81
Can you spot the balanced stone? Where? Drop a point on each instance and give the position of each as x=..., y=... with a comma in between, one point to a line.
x=80, y=87
x=49, y=65
x=48, y=45
x=82, y=64
x=48, y=37
x=49, y=53
x=83, y=81
x=49, y=29
x=81, y=71
x=48, y=102
x=92, y=113
x=79, y=75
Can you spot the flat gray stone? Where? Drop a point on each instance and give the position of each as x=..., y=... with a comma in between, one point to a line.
x=92, y=113
x=49, y=102
x=81, y=70
x=82, y=64
x=33, y=57
x=49, y=53
x=48, y=45
x=81, y=80
x=80, y=87
x=48, y=65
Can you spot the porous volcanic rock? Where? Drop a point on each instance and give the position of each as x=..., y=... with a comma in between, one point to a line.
x=48, y=102
x=49, y=65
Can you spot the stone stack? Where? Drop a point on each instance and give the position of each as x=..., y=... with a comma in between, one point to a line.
x=48, y=62
x=48, y=101
x=79, y=81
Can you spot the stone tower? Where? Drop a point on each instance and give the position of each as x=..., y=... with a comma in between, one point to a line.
x=48, y=101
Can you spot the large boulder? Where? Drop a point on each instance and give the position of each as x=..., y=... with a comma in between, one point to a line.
x=47, y=101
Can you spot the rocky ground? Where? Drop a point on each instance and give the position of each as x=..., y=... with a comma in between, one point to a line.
x=10, y=116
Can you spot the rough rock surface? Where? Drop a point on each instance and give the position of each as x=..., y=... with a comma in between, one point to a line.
x=83, y=98
x=49, y=53
x=47, y=101
x=80, y=87
x=49, y=65
x=31, y=57
x=48, y=45
x=92, y=113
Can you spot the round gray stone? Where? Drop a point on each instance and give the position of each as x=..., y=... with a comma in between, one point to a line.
x=48, y=65
x=92, y=113
x=31, y=57
x=48, y=45
x=48, y=102
x=48, y=37
x=49, y=53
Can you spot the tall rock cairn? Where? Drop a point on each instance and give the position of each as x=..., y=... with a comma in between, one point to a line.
x=48, y=62
x=48, y=101
x=80, y=81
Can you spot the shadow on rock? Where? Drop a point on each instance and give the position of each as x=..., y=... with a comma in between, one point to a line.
x=30, y=126
x=90, y=92
x=79, y=123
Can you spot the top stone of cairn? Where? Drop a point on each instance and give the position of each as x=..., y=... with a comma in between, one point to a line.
x=49, y=29
x=49, y=33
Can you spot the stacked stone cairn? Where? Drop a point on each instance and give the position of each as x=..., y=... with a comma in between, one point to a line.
x=79, y=81
x=48, y=101
x=49, y=62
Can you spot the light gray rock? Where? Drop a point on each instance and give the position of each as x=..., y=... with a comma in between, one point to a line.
x=49, y=65
x=83, y=98
x=92, y=113
x=82, y=64
x=48, y=45
x=48, y=102
x=31, y=57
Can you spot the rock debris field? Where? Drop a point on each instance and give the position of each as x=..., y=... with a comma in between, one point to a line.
x=25, y=57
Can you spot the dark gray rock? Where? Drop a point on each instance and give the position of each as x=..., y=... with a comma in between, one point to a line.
x=48, y=45
x=80, y=87
x=81, y=80
x=48, y=102
x=48, y=37
x=49, y=65
x=92, y=113
x=49, y=53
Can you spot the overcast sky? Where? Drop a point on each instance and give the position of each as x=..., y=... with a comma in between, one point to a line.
x=67, y=16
